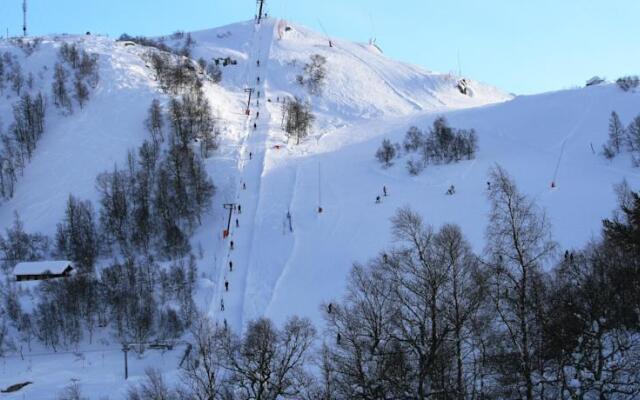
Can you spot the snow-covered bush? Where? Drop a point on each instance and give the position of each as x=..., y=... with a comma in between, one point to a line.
x=314, y=74
x=176, y=75
x=415, y=167
x=28, y=45
x=386, y=153
x=443, y=144
x=298, y=119
x=621, y=139
x=413, y=140
x=628, y=83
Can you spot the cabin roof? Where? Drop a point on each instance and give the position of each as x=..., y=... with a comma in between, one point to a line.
x=41, y=267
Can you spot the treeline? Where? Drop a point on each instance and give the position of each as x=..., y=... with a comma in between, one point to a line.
x=628, y=83
x=84, y=67
x=177, y=75
x=137, y=300
x=431, y=319
x=442, y=144
x=266, y=362
x=156, y=202
x=19, y=143
x=11, y=75
x=148, y=210
x=175, y=71
x=623, y=138
x=159, y=44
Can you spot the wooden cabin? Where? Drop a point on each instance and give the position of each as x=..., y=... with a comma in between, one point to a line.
x=42, y=270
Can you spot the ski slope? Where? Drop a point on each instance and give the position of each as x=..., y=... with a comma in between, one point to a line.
x=284, y=266
x=531, y=137
x=539, y=139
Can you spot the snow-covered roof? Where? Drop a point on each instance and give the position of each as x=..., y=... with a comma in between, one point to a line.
x=41, y=267
x=596, y=80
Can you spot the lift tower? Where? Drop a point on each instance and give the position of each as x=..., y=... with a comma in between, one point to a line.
x=24, y=17
x=260, y=8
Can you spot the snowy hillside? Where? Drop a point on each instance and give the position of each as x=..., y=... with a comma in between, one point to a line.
x=530, y=136
x=76, y=148
x=287, y=257
x=361, y=82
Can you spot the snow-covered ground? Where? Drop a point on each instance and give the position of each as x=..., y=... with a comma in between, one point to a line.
x=278, y=271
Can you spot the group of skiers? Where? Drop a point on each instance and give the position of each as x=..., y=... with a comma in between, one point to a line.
x=231, y=247
x=238, y=207
x=384, y=193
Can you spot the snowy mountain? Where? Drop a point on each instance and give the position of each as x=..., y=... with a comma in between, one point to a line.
x=287, y=257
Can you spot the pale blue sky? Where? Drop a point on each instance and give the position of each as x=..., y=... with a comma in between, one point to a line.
x=523, y=46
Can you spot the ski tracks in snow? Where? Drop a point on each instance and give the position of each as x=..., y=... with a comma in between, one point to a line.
x=227, y=303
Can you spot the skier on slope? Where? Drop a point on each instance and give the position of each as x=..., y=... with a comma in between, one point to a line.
x=221, y=304
x=231, y=245
x=384, y=190
x=230, y=266
x=452, y=190
x=226, y=285
x=258, y=63
x=237, y=223
x=244, y=186
x=239, y=209
x=250, y=155
x=377, y=199
x=255, y=126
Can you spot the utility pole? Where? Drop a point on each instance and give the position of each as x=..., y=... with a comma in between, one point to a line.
x=125, y=350
x=250, y=91
x=24, y=17
x=260, y=7
x=230, y=207
x=320, y=209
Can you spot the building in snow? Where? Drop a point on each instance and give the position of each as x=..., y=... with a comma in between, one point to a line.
x=596, y=80
x=42, y=270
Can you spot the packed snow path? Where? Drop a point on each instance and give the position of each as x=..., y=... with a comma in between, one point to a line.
x=232, y=270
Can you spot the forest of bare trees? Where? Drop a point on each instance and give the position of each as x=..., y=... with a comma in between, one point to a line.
x=427, y=318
